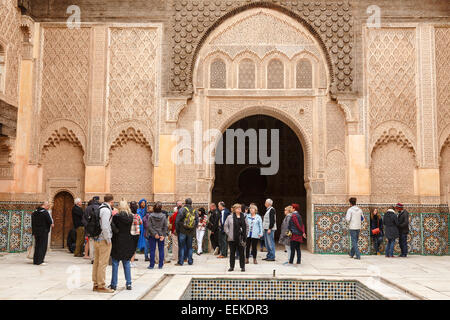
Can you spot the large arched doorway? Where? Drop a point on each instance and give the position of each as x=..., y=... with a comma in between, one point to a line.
x=62, y=219
x=243, y=183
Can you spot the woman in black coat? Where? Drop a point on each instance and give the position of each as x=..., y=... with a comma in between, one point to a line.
x=390, y=231
x=376, y=230
x=123, y=244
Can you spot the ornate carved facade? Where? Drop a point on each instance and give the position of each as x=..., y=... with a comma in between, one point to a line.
x=97, y=106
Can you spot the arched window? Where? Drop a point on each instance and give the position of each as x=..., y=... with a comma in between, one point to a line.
x=218, y=74
x=275, y=74
x=247, y=76
x=2, y=68
x=304, y=74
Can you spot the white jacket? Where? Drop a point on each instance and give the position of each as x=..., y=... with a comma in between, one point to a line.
x=353, y=216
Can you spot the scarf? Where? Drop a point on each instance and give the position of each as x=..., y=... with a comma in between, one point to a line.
x=239, y=228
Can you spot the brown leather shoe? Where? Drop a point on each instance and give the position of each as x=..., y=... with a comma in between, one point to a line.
x=254, y=261
x=246, y=261
x=94, y=288
x=220, y=257
x=105, y=290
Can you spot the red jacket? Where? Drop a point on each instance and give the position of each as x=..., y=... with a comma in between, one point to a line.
x=172, y=220
x=296, y=237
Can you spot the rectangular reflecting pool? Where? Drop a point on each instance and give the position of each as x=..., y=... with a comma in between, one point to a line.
x=277, y=289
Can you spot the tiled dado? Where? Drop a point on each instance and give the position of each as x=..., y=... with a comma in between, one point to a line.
x=429, y=229
x=262, y=289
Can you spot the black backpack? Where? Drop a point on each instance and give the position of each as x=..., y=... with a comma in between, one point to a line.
x=93, y=228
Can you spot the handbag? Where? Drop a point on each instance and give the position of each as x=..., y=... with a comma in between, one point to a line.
x=376, y=230
x=289, y=233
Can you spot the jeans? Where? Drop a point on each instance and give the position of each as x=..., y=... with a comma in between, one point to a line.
x=115, y=270
x=270, y=244
x=235, y=247
x=377, y=240
x=295, y=247
x=214, y=239
x=403, y=242
x=223, y=243
x=147, y=241
x=288, y=249
x=390, y=248
x=200, y=234
x=354, y=235
x=185, y=244
x=152, y=247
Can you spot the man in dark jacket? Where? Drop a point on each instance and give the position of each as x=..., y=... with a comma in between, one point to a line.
x=40, y=227
x=77, y=219
x=213, y=226
x=223, y=244
x=403, y=229
x=185, y=234
x=87, y=214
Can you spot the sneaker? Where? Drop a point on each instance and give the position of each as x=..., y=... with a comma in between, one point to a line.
x=242, y=269
x=146, y=259
x=112, y=287
x=129, y=287
x=231, y=269
x=150, y=267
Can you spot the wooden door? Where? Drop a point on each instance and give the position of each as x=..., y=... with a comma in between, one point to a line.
x=62, y=219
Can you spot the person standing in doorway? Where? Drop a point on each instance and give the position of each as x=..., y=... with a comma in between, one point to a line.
x=40, y=227
x=236, y=228
x=255, y=231
x=213, y=226
x=223, y=243
x=403, y=229
x=77, y=217
x=270, y=226
x=103, y=246
x=354, y=217
x=201, y=229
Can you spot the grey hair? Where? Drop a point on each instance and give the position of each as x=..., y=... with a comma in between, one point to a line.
x=270, y=201
x=77, y=200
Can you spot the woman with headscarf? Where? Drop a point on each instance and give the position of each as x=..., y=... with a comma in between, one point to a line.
x=123, y=244
x=236, y=228
x=143, y=242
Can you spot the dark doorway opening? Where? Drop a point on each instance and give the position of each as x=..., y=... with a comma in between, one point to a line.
x=62, y=219
x=243, y=183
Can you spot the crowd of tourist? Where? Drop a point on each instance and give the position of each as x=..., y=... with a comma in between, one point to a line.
x=112, y=235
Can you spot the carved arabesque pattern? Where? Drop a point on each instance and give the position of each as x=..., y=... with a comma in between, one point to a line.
x=247, y=74
x=304, y=74
x=442, y=40
x=336, y=176
x=133, y=75
x=10, y=36
x=445, y=168
x=131, y=168
x=130, y=134
x=275, y=74
x=218, y=74
x=63, y=134
x=392, y=171
x=65, y=75
x=391, y=61
x=330, y=21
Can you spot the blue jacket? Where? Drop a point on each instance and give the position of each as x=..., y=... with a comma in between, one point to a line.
x=254, y=226
x=225, y=216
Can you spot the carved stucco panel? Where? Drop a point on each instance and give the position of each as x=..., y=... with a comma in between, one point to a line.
x=442, y=41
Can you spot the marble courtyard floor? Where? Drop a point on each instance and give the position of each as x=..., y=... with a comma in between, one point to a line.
x=68, y=278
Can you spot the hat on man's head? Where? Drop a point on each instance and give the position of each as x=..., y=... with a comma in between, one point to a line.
x=399, y=205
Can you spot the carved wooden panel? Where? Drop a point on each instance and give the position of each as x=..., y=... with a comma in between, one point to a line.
x=131, y=169
x=133, y=75
x=442, y=40
x=391, y=72
x=392, y=171
x=65, y=76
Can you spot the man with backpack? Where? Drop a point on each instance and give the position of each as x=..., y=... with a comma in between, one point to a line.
x=99, y=227
x=186, y=224
x=93, y=206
